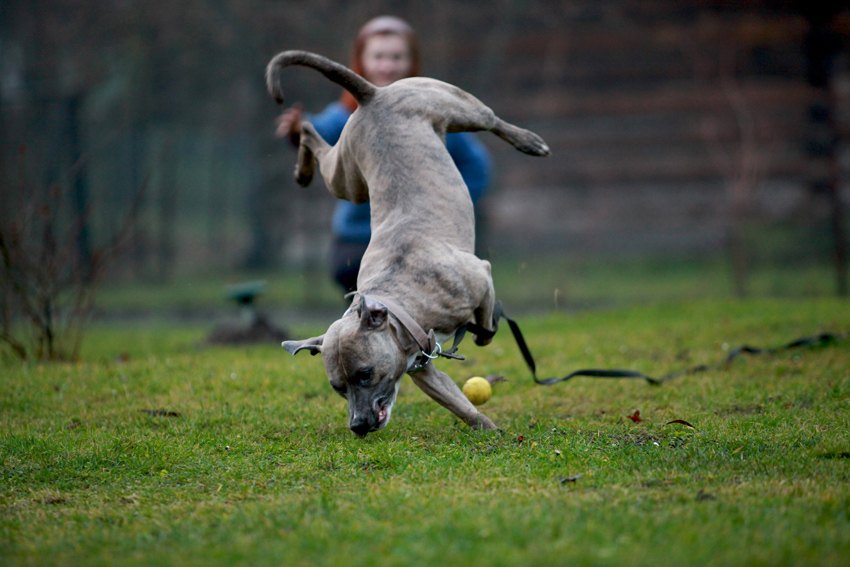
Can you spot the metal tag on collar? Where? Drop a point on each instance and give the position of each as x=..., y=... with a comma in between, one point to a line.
x=424, y=358
x=418, y=365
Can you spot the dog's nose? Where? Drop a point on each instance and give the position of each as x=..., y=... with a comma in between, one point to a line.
x=360, y=426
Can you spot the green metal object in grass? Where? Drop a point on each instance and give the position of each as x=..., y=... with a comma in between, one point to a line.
x=244, y=294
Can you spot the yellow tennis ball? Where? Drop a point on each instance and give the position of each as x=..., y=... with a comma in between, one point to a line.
x=478, y=390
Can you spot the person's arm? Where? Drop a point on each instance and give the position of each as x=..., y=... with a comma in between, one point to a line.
x=288, y=124
x=472, y=160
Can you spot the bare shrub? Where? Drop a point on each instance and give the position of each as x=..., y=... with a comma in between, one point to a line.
x=48, y=287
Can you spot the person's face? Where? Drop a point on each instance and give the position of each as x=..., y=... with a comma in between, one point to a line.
x=386, y=59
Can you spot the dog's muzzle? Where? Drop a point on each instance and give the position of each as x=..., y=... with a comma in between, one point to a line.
x=365, y=423
x=361, y=426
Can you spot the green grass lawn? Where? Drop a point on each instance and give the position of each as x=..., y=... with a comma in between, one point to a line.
x=259, y=468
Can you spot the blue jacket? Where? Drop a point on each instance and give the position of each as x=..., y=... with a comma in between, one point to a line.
x=352, y=222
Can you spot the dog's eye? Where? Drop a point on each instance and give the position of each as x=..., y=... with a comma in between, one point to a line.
x=362, y=377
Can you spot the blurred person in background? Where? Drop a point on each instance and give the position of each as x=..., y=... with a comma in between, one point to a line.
x=384, y=51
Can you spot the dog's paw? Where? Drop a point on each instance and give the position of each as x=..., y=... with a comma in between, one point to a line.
x=530, y=143
x=304, y=176
x=305, y=165
x=524, y=140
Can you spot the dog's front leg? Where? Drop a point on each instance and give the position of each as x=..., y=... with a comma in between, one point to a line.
x=442, y=389
x=483, y=314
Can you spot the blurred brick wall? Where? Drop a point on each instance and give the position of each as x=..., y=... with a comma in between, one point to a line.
x=656, y=113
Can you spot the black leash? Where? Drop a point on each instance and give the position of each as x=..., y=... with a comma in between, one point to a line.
x=499, y=313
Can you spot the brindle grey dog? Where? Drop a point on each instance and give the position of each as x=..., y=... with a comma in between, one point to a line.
x=392, y=153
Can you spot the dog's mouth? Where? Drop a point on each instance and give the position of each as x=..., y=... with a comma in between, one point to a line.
x=385, y=408
x=383, y=411
x=379, y=415
x=383, y=417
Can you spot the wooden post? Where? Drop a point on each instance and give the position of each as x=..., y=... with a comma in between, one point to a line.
x=821, y=47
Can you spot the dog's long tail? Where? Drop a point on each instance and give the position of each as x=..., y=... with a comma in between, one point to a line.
x=360, y=88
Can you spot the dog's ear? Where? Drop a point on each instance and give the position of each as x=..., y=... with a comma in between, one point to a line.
x=373, y=313
x=314, y=345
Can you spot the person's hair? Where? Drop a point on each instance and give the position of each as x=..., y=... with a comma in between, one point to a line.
x=382, y=25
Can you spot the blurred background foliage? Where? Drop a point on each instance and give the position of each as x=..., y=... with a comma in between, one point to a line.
x=697, y=142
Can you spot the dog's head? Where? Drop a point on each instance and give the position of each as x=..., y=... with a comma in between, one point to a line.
x=365, y=353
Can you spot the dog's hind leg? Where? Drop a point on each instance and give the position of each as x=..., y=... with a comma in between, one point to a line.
x=483, y=118
x=462, y=112
x=342, y=179
x=524, y=140
x=475, y=119
x=305, y=165
x=312, y=145
x=442, y=389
